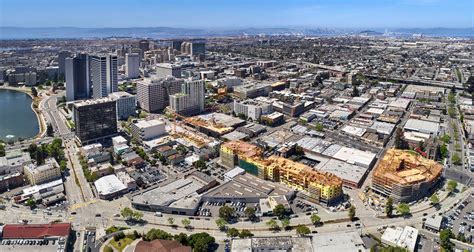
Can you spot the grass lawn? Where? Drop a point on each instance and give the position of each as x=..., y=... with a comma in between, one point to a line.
x=121, y=244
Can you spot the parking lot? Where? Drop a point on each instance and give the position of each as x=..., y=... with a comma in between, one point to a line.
x=209, y=209
x=461, y=218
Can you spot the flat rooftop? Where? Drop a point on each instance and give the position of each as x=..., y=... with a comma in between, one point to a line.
x=181, y=193
x=246, y=185
x=281, y=243
x=349, y=172
x=341, y=241
x=92, y=102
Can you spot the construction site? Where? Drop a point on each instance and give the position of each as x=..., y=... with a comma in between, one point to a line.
x=320, y=187
x=214, y=124
x=405, y=176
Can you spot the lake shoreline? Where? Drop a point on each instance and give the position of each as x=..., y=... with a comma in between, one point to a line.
x=38, y=114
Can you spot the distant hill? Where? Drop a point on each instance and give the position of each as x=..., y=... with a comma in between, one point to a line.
x=370, y=33
x=170, y=32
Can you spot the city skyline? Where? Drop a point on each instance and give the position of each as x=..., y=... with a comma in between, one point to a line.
x=217, y=15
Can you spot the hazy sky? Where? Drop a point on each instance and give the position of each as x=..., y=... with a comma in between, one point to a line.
x=237, y=13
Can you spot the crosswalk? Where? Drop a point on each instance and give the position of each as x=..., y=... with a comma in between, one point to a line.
x=82, y=204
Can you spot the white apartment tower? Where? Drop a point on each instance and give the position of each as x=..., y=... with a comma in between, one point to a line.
x=104, y=75
x=153, y=94
x=190, y=100
x=132, y=65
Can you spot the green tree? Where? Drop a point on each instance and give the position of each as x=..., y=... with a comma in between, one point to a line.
x=272, y=225
x=279, y=211
x=186, y=222
x=181, y=238
x=302, y=230
x=352, y=213
x=456, y=159
x=232, y=232
x=250, y=213
x=155, y=234
x=245, y=233
x=285, y=223
x=31, y=202
x=452, y=185
x=434, y=199
x=445, y=239
x=200, y=164
x=389, y=207
x=226, y=213
x=319, y=127
x=315, y=219
x=200, y=242
x=34, y=92
x=49, y=130
x=221, y=224
x=403, y=209
x=2, y=149
x=171, y=221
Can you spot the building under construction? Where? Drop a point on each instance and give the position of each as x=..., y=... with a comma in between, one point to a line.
x=214, y=124
x=405, y=176
x=318, y=186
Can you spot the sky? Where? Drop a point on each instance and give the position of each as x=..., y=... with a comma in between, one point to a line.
x=238, y=13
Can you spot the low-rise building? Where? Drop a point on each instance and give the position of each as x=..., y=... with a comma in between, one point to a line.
x=143, y=130
x=274, y=243
x=42, y=173
x=405, y=238
x=110, y=187
x=50, y=237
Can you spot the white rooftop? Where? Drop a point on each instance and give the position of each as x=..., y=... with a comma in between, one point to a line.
x=401, y=237
x=109, y=184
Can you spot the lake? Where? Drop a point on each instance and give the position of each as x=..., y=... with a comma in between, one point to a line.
x=17, y=118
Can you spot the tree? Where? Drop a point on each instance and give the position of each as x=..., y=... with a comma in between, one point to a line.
x=2, y=149
x=245, y=233
x=34, y=92
x=302, y=230
x=355, y=91
x=279, y=211
x=171, y=221
x=226, y=213
x=272, y=225
x=232, y=232
x=200, y=164
x=129, y=214
x=421, y=145
x=352, y=213
x=434, y=199
x=315, y=219
x=389, y=207
x=445, y=239
x=319, y=127
x=155, y=234
x=63, y=165
x=285, y=223
x=452, y=185
x=200, y=242
x=403, y=209
x=221, y=224
x=186, y=222
x=31, y=203
x=49, y=130
x=250, y=213
x=456, y=159
x=181, y=238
